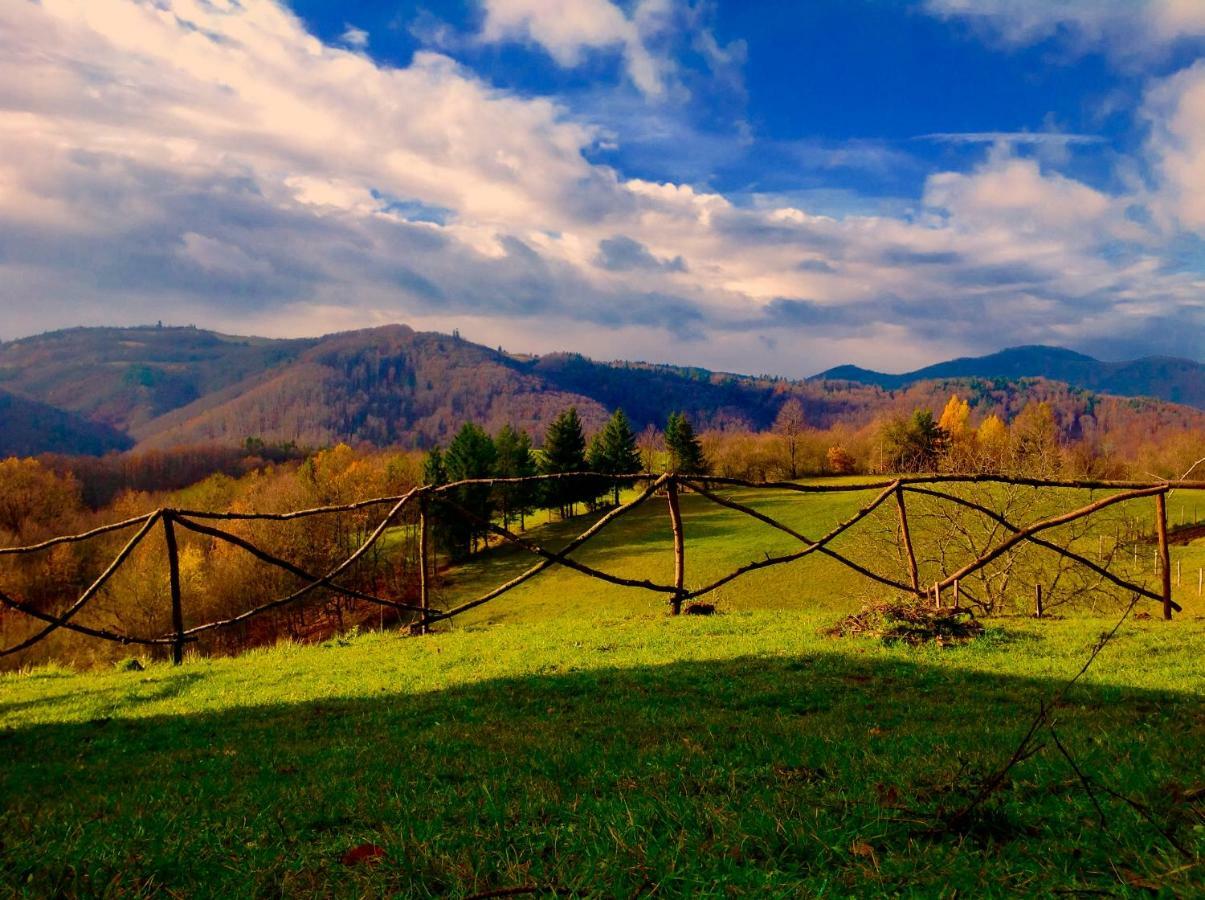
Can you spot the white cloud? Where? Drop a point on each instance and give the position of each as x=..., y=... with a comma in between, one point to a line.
x=355, y=37
x=569, y=28
x=1176, y=110
x=1128, y=29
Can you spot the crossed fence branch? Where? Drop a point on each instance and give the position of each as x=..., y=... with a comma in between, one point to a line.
x=669, y=484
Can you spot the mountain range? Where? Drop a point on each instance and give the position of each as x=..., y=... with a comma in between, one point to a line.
x=1167, y=378
x=92, y=390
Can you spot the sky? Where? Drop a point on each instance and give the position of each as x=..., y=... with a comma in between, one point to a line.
x=755, y=186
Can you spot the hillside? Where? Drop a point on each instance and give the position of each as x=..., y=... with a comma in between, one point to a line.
x=598, y=757
x=125, y=377
x=28, y=427
x=1165, y=378
x=571, y=738
x=384, y=386
x=394, y=386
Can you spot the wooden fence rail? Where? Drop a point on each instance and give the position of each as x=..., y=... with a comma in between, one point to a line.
x=671, y=484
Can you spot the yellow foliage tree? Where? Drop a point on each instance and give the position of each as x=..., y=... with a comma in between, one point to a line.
x=992, y=438
x=954, y=417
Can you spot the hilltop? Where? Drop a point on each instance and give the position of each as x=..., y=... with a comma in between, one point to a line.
x=159, y=387
x=1163, y=377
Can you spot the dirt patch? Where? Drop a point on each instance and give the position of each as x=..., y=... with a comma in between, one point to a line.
x=910, y=624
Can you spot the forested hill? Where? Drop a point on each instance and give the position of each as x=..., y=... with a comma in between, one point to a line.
x=28, y=427
x=1167, y=378
x=388, y=386
x=125, y=377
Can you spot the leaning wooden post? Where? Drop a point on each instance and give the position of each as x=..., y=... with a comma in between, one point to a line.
x=173, y=574
x=913, y=572
x=1164, y=556
x=424, y=583
x=675, y=521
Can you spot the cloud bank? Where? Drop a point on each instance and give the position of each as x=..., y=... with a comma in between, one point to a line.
x=213, y=161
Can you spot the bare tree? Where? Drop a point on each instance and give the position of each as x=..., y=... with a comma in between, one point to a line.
x=789, y=425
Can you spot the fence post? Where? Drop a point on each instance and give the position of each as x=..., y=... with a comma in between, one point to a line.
x=1164, y=555
x=913, y=572
x=956, y=597
x=1038, y=609
x=675, y=521
x=424, y=583
x=173, y=574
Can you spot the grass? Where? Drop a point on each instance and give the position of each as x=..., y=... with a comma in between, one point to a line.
x=719, y=540
x=572, y=736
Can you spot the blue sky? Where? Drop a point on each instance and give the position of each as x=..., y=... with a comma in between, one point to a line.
x=757, y=186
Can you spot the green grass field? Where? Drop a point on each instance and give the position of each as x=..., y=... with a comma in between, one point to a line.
x=573, y=738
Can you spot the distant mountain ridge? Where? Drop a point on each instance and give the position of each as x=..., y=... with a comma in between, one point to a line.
x=1166, y=378
x=91, y=390
x=28, y=427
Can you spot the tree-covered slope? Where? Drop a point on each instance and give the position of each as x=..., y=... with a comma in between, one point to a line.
x=28, y=428
x=124, y=377
x=1165, y=378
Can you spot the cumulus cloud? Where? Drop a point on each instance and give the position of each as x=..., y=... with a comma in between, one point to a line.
x=622, y=254
x=1175, y=108
x=570, y=28
x=208, y=161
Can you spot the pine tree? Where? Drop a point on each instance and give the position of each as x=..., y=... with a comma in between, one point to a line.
x=685, y=451
x=613, y=450
x=434, y=472
x=515, y=460
x=471, y=454
x=564, y=451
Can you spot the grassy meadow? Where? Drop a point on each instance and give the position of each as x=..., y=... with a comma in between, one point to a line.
x=571, y=738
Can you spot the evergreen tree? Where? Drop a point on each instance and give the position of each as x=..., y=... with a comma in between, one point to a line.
x=613, y=450
x=564, y=451
x=515, y=460
x=685, y=451
x=471, y=454
x=433, y=467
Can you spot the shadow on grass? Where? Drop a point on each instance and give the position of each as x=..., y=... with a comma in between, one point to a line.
x=775, y=775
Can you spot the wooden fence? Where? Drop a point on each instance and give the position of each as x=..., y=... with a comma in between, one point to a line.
x=670, y=485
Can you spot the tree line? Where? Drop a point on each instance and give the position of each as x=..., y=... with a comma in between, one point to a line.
x=565, y=450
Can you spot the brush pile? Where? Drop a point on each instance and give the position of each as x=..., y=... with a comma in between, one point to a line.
x=910, y=623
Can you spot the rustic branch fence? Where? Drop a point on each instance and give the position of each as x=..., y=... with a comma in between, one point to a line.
x=670, y=484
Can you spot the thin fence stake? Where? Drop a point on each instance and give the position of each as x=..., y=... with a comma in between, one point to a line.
x=173, y=573
x=956, y=597
x=675, y=521
x=913, y=572
x=424, y=585
x=1164, y=556
x=1039, y=611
